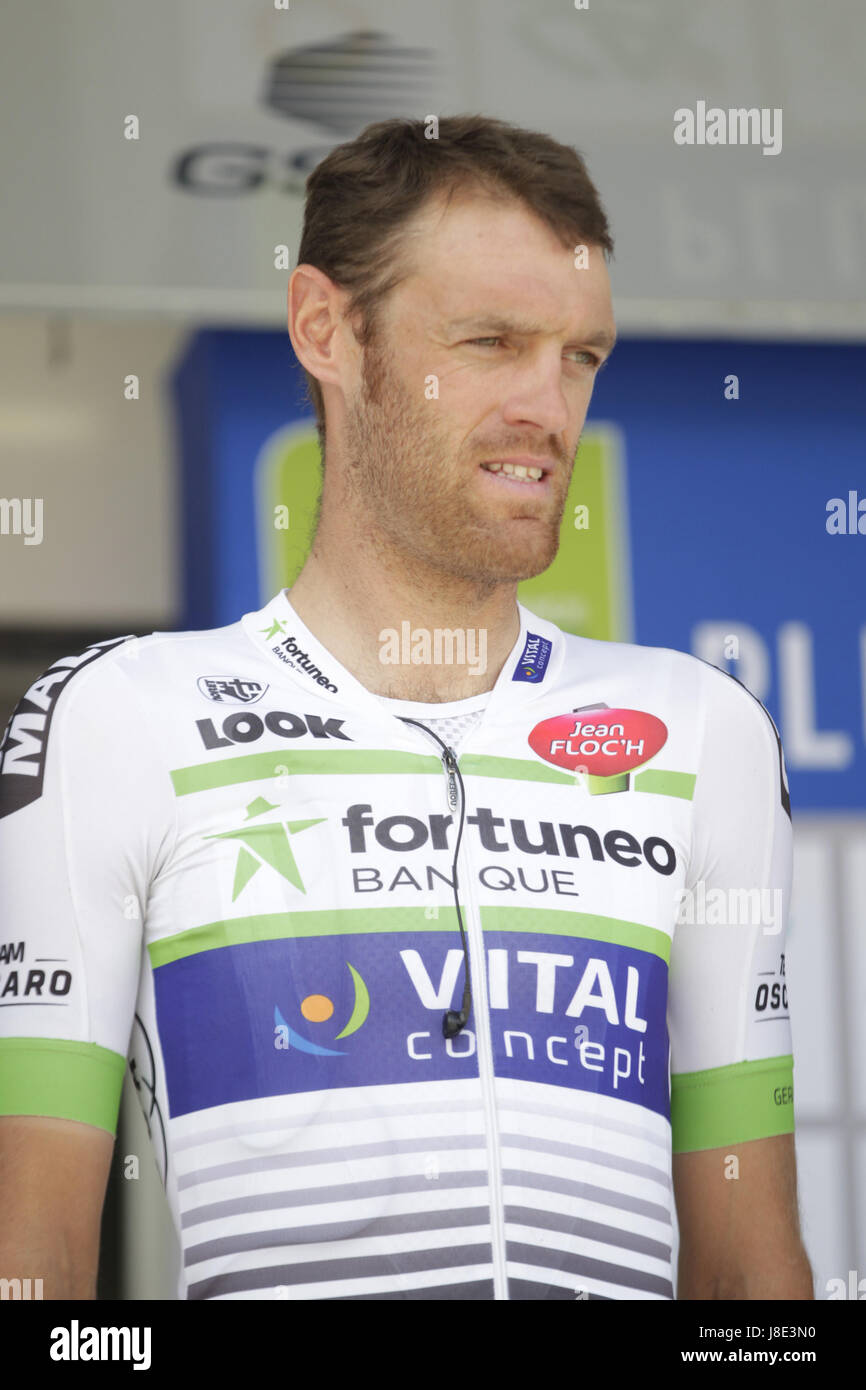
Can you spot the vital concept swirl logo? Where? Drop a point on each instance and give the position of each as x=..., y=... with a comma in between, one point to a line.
x=318, y=1008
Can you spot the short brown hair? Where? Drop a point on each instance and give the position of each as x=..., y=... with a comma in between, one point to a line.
x=363, y=192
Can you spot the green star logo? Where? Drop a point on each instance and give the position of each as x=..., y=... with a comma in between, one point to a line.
x=276, y=627
x=265, y=845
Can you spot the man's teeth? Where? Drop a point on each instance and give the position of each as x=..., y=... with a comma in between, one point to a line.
x=515, y=470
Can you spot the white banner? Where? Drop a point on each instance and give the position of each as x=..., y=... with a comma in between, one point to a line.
x=726, y=139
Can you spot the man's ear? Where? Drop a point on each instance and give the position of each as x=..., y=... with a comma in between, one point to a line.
x=315, y=313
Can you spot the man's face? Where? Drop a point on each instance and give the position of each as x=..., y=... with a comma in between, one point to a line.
x=496, y=318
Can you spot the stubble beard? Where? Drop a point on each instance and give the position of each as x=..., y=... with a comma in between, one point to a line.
x=410, y=495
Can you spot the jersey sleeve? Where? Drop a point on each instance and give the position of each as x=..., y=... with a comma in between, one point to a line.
x=728, y=1016
x=83, y=822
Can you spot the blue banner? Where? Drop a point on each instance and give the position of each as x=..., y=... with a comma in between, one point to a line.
x=739, y=532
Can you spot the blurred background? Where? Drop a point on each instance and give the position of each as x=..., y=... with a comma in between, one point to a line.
x=152, y=414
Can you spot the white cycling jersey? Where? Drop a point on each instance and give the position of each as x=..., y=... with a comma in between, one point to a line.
x=225, y=859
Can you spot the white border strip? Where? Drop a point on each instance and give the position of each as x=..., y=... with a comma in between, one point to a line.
x=640, y=317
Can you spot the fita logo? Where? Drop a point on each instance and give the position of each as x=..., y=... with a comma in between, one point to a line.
x=604, y=744
x=265, y=845
x=231, y=690
x=318, y=1008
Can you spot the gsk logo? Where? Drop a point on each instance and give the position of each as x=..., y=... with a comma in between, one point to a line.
x=318, y=1008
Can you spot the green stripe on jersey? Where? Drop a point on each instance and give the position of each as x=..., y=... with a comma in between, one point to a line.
x=64, y=1080
x=276, y=926
x=666, y=783
x=347, y=921
x=513, y=769
x=367, y=762
x=730, y=1105
x=552, y=921
x=315, y=762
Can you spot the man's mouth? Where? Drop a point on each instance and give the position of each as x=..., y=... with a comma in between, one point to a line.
x=522, y=472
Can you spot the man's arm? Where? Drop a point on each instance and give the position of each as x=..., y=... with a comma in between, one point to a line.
x=729, y=1016
x=84, y=810
x=53, y=1176
x=739, y=1223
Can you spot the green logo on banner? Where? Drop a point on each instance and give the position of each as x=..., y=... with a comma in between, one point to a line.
x=587, y=589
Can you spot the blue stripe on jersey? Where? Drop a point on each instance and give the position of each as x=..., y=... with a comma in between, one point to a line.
x=290, y=1016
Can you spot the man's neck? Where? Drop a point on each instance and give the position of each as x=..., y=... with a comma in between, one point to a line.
x=407, y=636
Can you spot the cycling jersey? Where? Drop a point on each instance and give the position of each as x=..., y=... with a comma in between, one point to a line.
x=223, y=858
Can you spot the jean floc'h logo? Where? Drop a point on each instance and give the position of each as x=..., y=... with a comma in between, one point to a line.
x=604, y=742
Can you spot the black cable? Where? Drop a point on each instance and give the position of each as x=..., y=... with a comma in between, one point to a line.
x=452, y=1021
x=150, y=1087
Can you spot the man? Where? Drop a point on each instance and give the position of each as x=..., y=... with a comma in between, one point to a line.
x=399, y=943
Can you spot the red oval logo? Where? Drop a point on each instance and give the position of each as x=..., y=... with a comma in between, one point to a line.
x=603, y=741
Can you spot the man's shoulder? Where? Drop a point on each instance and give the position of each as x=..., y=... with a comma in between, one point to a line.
x=112, y=671
x=98, y=705
x=645, y=661
x=153, y=655
x=697, y=675
x=719, y=698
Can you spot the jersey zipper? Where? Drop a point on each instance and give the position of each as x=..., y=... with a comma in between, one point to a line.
x=484, y=1047
x=450, y=761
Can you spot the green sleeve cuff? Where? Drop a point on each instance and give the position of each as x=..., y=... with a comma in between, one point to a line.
x=66, y=1080
x=730, y=1105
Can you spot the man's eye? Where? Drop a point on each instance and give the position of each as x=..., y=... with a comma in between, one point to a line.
x=593, y=359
